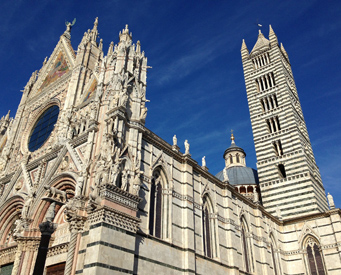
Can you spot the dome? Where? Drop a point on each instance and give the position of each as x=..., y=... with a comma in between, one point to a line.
x=240, y=175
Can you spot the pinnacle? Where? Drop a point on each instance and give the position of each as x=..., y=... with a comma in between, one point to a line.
x=96, y=22
x=7, y=116
x=272, y=35
x=244, y=44
x=271, y=31
x=125, y=35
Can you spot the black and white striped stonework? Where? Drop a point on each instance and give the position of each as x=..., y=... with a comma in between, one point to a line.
x=289, y=178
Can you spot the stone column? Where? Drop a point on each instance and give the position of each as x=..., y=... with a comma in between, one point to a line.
x=46, y=228
x=267, y=57
x=17, y=258
x=272, y=80
x=76, y=224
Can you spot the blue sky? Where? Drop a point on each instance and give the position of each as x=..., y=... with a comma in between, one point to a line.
x=196, y=83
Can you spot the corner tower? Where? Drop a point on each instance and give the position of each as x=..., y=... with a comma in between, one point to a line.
x=289, y=178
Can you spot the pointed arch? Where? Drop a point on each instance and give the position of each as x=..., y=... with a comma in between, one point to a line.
x=160, y=205
x=209, y=227
x=314, y=259
x=274, y=254
x=64, y=182
x=9, y=213
x=246, y=244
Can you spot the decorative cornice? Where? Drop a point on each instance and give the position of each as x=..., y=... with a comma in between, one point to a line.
x=115, y=218
x=312, y=216
x=58, y=249
x=117, y=195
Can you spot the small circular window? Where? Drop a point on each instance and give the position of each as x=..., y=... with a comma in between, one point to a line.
x=43, y=128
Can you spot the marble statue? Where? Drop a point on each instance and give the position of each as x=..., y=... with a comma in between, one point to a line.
x=186, y=147
x=203, y=161
x=226, y=177
x=175, y=141
x=331, y=201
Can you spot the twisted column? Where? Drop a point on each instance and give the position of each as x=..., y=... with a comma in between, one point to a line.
x=71, y=252
x=76, y=224
x=17, y=259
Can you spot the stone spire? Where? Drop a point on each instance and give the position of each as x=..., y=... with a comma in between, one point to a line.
x=125, y=35
x=7, y=116
x=138, y=47
x=272, y=37
x=284, y=52
x=111, y=48
x=94, y=31
x=244, y=50
x=261, y=44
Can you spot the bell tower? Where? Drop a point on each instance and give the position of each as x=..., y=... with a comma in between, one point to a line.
x=290, y=180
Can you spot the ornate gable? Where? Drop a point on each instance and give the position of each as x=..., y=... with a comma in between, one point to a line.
x=56, y=67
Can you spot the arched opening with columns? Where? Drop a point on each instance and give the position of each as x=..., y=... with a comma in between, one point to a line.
x=314, y=260
x=8, y=217
x=159, y=205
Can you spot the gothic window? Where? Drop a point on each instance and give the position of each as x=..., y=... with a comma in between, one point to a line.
x=159, y=206
x=206, y=232
x=273, y=255
x=245, y=246
x=43, y=128
x=208, y=228
x=281, y=171
x=314, y=257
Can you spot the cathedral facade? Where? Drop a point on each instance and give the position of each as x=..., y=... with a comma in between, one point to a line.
x=86, y=188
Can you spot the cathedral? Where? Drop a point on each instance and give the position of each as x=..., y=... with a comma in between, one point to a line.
x=86, y=188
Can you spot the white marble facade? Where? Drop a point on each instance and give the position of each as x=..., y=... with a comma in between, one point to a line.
x=121, y=198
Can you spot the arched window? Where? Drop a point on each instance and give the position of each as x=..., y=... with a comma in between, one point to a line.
x=206, y=228
x=231, y=159
x=159, y=206
x=273, y=255
x=237, y=158
x=314, y=257
x=245, y=246
x=209, y=224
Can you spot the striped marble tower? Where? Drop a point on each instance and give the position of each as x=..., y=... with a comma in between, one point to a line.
x=289, y=178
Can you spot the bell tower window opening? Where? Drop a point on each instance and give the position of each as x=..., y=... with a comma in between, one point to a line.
x=269, y=103
x=273, y=124
x=281, y=171
x=278, y=147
